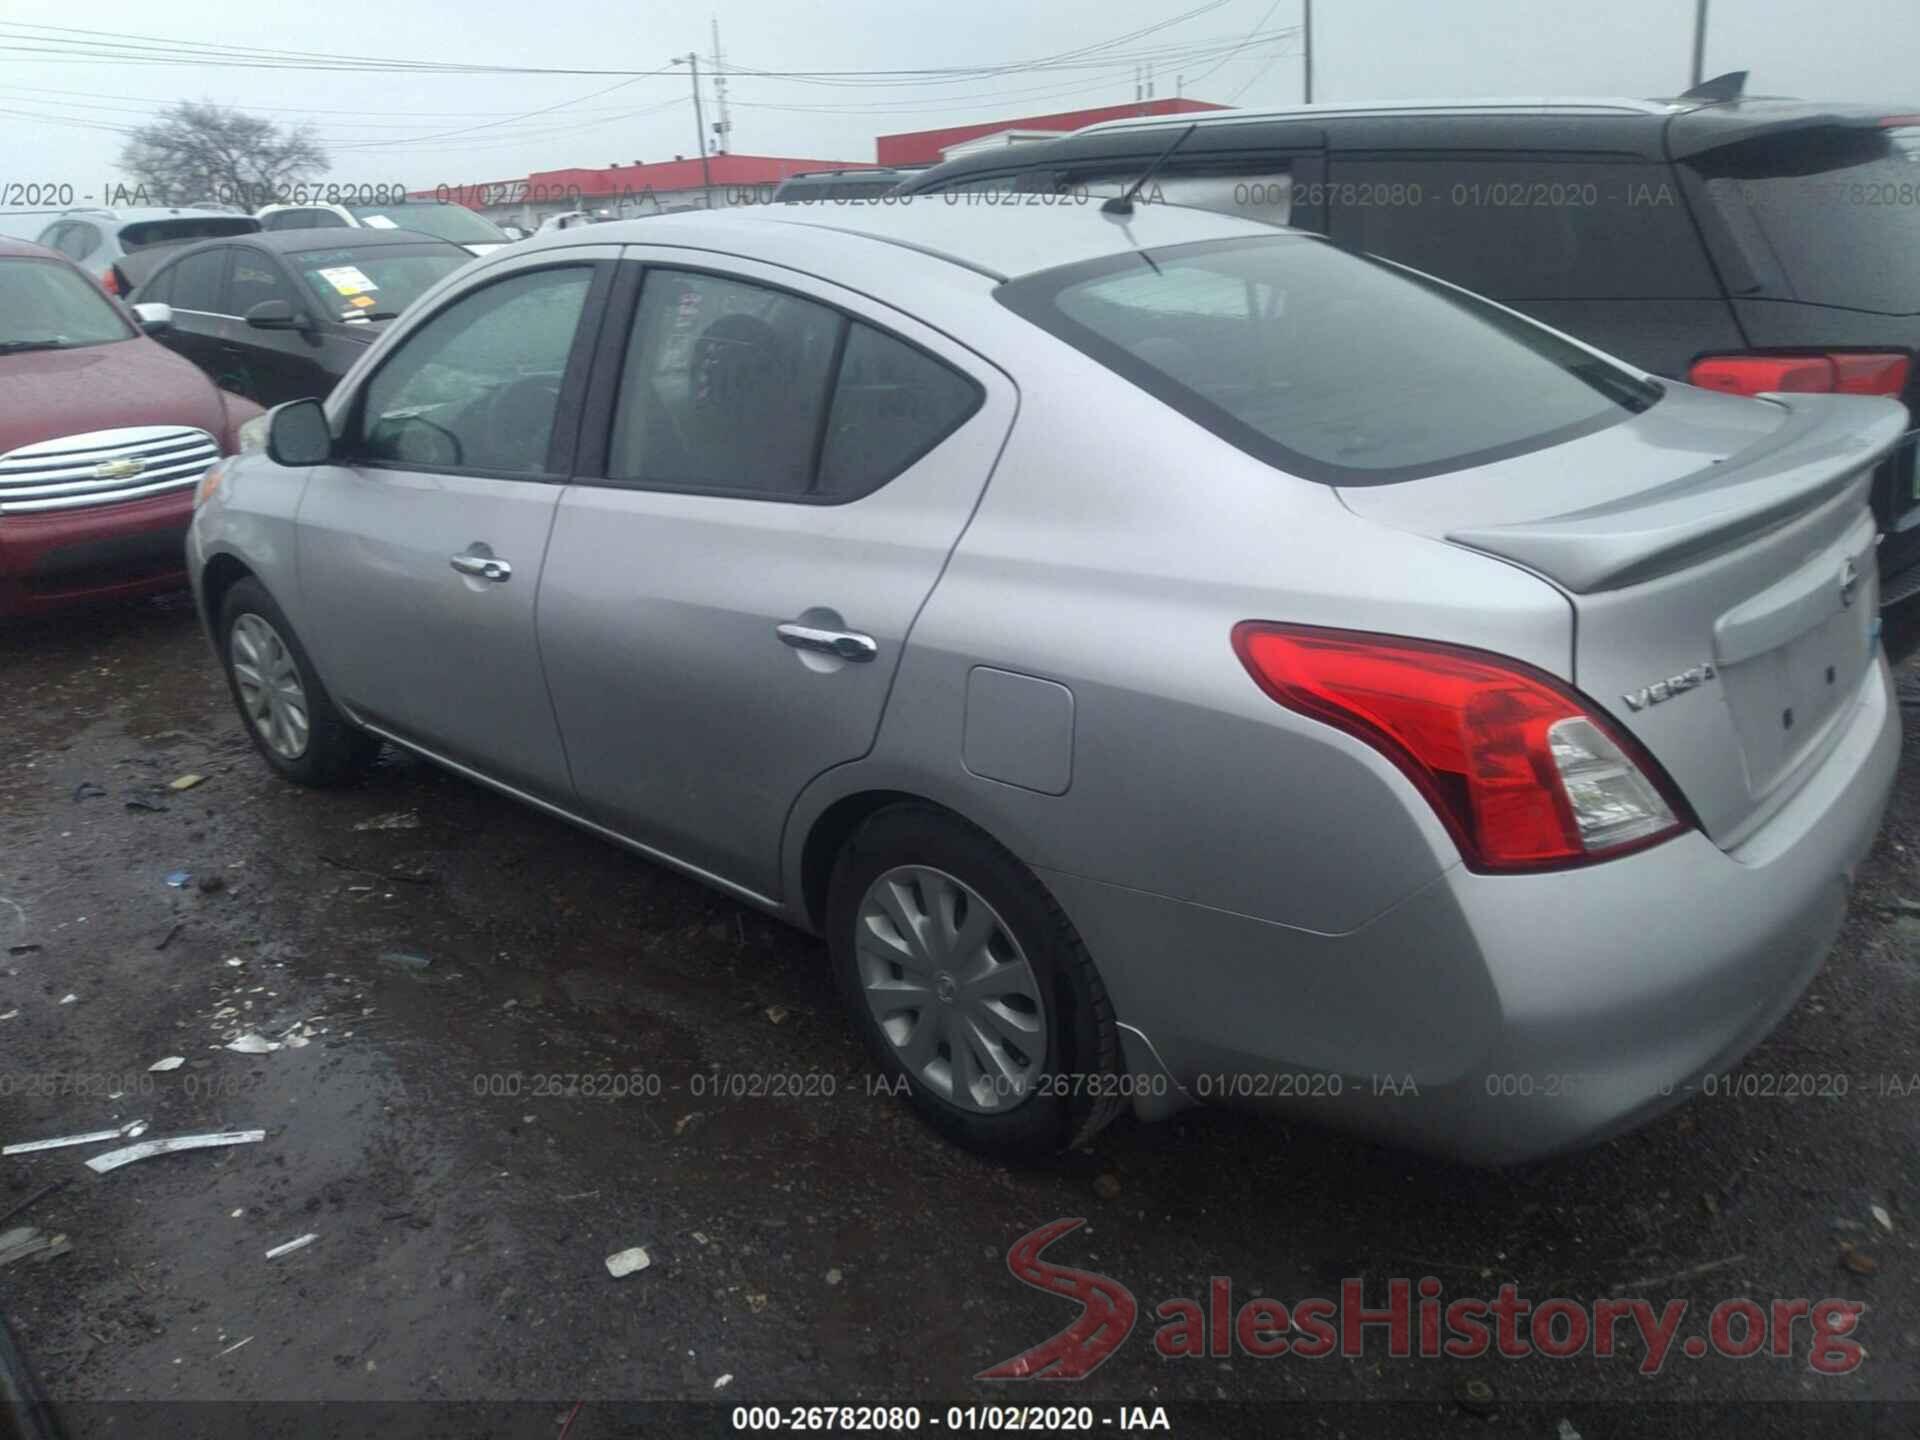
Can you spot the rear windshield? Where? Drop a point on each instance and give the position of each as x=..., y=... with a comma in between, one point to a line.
x=1333, y=366
x=447, y=222
x=48, y=305
x=1830, y=216
x=373, y=282
x=142, y=233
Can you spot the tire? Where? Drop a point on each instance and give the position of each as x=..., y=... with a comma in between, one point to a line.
x=1052, y=1084
x=332, y=751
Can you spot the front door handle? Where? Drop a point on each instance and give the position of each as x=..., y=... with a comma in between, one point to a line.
x=847, y=644
x=482, y=567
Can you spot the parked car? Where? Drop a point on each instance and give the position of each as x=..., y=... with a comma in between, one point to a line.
x=859, y=184
x=1745, y=244
x=103, y=435
x=96, y=240
x=1143, y=646
x=572, y=220
x=462, y=226
x=285, y=313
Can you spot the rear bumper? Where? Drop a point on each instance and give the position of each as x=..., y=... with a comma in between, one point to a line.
x=1497, y=1019
x=72, y=557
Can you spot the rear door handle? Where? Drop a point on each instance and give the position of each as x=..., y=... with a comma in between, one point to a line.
x=847, y=644
x=482, y=567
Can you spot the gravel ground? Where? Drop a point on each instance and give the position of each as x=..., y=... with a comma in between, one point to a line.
x=519, y=1043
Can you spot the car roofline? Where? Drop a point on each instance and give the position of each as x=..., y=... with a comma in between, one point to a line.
x=1521, y=105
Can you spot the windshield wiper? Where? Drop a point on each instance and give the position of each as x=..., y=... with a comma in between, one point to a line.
x=52, y=342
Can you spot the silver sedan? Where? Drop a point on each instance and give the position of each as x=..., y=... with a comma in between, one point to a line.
x=1167, y=658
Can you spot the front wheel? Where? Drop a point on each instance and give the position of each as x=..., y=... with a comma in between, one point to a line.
x=970, y=986
x=286, y=710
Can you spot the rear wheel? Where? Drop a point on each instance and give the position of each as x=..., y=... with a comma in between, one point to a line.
x=286, y=710
x=969, y=985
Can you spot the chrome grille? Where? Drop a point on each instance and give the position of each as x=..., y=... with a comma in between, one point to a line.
x=102, y=467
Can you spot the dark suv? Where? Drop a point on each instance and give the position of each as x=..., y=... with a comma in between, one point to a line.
x=1744, y=244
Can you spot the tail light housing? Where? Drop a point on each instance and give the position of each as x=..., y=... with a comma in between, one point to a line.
x=1838, y=372
x=109, y=281
x=1524, y=773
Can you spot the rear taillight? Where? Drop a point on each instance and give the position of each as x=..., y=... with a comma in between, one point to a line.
x=1842, y=372
x=109, y=281
x=1522, y=771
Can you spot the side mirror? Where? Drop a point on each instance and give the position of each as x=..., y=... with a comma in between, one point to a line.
x=154, y=319
x=297, y=432
x=277, y=315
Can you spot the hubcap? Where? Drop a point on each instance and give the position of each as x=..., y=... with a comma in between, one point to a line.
x=269, y=683
x=951, y=989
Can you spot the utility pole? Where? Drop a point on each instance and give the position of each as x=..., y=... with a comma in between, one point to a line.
x=1306, y=46
x=724, y=126
x=692, y=59
x=1699, y=41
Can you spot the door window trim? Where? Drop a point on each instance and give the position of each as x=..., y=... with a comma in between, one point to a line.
x=609, y=379
x=562, y=445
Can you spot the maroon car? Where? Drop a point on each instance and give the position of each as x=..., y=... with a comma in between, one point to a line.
x=103, y=435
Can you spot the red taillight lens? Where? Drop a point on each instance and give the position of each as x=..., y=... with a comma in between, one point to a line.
x=1847, y=372
x=1521, y=770
x=109, y=281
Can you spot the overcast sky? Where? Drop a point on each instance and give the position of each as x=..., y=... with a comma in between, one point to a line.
x=61, y=112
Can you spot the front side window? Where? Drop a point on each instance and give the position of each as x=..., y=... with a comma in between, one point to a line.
x=45, y=305
x=478, y=386
x=723, y=387
x=256, y=278
x=1329, y=365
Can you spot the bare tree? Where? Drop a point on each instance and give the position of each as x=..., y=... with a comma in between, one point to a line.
x=206, y=152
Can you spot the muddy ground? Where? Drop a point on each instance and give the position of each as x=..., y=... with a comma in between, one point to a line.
x=515, y=1033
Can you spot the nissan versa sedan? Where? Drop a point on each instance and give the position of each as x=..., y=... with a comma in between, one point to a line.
x=1166, y=657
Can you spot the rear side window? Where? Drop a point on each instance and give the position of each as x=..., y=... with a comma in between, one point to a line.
x=199, y=281
x=723, y=387
x=1551, y=229
x=891, y=405
x=1328, y=365
x=1829, y=216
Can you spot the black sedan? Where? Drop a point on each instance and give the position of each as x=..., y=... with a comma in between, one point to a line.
x=282, y=315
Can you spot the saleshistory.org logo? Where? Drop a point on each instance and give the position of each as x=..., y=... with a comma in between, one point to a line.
x=1507, y=1325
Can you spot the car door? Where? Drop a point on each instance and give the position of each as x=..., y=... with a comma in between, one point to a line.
x=774, y=472
x=271, y=365
x=421, y=545
x=198, y=291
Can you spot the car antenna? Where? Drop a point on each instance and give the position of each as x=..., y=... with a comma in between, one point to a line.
x=1123, y=204
x=1730, y=86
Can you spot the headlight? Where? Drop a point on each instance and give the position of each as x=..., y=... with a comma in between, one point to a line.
x=210, y=480
x=253, y=434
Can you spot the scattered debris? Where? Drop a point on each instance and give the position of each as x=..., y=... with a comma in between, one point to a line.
x=114, y=1159
x=1649, y=1281
x=1882, y=1218
x=185, y=782
x=777, y=1014
x=178, y=880
x=151, y=797
x=833, y=1277
x=398, y=820
x=1565, y=1431
x=1474, y=1395
x=87, y=790
x=685, y=1120
x=233, y=961
x=172, y=1062
x=292, y=1245
x=68, y=998
x=27, y=949
x=699, y=1237
x=252, y=1044
x=11, y=1014
x=723, y=1382
x=1858, y=1262
x=756, y=1303
x=1107, y=1187
x=168, y=938
x=249, y=1340
x=406, y=960
x=19, y=1244
x=212, y=884
x=582, y=1195
x=33, y=1199
x=625, y=1262
x=92, y=1137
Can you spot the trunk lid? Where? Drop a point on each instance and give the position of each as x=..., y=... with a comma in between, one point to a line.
x=1718, y=556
